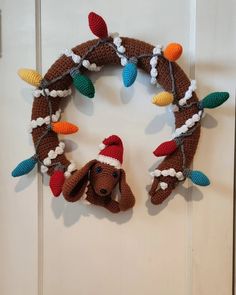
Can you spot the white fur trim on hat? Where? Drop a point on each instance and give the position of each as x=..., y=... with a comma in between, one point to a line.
x=110, y=161
x=101, y=146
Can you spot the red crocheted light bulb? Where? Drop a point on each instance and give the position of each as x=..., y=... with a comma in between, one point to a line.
x=56, y=182
x=97, y=25
x=166, y=148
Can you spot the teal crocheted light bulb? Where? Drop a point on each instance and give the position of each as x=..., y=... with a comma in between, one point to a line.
x=213, y=100
x=198, y=178
x=84, y=85
x=129, y=73
x=24, y=167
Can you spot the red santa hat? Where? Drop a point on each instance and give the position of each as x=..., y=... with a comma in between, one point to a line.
x=111, y=151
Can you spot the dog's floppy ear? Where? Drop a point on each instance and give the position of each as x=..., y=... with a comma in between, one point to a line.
x=74, y=187
x=127, y=199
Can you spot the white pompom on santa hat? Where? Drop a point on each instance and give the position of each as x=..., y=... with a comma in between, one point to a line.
x=111, y=151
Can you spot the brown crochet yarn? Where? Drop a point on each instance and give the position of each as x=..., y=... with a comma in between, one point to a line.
x=102, y=55
x=100, y=186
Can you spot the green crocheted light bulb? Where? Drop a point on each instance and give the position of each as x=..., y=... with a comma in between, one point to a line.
x=84, y=85
x=213, y=100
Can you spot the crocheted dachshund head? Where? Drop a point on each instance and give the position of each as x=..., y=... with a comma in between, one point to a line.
x=101, y=177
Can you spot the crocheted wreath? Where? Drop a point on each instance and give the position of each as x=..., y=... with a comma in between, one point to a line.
x=132, y=54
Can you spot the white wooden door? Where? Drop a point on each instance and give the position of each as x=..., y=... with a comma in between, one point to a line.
x=185, y=246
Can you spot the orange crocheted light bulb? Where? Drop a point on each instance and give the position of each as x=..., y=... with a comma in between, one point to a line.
x=173, y=51
x=64, y=128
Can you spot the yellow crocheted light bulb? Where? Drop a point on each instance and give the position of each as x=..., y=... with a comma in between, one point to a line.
x=163, y=98
x=32, y=77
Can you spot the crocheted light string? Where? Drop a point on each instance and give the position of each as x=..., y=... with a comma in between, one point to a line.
x=80, y=63
x=57, y=178
x=132, y=54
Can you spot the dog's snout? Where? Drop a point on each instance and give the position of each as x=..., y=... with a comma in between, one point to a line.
x=103, y=191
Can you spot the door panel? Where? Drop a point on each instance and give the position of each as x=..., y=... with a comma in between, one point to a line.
x=181, y=247
x=212, y=210
x=86, y=248
x=18, y=197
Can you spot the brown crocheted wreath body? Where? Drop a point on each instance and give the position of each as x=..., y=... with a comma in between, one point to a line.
x=102, y=55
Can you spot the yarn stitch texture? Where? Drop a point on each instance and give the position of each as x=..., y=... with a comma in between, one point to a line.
x=103, y=55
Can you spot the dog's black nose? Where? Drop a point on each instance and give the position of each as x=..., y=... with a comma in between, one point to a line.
x=103, y=191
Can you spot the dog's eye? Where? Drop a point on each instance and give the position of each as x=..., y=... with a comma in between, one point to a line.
x=98, y=169
x=115, y=174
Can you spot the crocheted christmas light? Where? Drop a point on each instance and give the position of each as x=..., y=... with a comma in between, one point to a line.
x=56, y=182
x=163, y=98
x=24, y=167
x=198, y=177
x=64, y=127
x=213, y=100
x=173, y=51
x=129, y=73
x=83, y=84
x=166, y=148
x=32, y=77
x=97, y=25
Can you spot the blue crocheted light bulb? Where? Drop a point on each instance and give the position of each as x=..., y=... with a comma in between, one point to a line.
x=24, y=167
x=198, y=178
x=129, y=73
